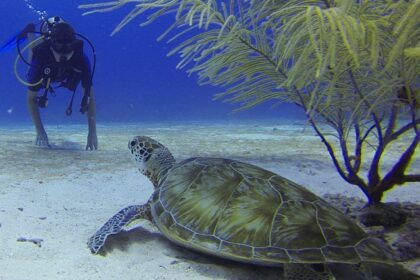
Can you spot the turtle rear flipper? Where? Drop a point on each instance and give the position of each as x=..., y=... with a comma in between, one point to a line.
x=390, y=272
x=124, y=220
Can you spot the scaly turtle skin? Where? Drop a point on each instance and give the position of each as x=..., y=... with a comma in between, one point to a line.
x=242, y=212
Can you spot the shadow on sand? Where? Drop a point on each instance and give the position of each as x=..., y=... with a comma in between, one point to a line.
x=208, y=266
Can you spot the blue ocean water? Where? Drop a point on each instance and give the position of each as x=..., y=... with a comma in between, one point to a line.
x=134, y=80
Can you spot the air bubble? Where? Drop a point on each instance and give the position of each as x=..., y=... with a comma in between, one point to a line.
x=42, y=14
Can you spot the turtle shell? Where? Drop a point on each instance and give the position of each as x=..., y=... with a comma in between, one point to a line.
x=242, y=212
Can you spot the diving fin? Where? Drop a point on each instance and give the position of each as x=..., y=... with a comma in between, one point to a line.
x=18, y=38
x=10, y=44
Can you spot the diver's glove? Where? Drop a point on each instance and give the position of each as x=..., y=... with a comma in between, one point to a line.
x=84, y=106
x=29, y=28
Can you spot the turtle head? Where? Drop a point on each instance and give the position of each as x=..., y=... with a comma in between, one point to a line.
x=152, y=158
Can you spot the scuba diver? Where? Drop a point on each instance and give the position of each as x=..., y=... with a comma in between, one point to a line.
x=57, y=57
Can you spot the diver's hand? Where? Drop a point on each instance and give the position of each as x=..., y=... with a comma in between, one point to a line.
x=42, y=140
x=92, y=142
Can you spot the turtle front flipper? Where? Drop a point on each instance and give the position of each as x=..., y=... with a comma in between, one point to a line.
x=123, y=220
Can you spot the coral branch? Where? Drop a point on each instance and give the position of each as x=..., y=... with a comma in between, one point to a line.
x=411, y=178
x=396, y=175
x=404, y=129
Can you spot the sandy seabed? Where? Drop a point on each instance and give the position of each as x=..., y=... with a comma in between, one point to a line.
x=62, y=195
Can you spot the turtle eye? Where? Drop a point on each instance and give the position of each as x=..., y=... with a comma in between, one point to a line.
x=133, y=143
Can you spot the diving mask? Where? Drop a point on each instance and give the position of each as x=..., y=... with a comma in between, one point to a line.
x=62, y=38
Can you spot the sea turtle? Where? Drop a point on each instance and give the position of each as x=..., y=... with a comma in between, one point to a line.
x=242, y=212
